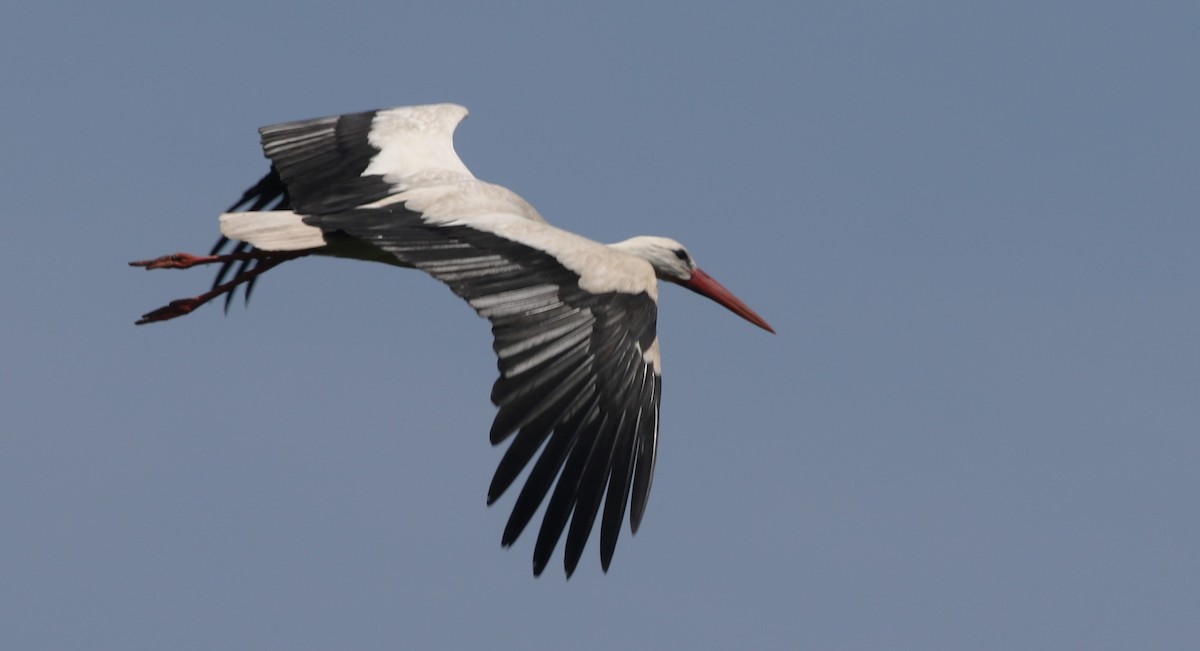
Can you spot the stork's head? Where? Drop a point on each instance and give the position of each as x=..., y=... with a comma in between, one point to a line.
x=672, y=262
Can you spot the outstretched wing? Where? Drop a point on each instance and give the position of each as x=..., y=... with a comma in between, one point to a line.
x=341, y=162
x=578, y=373
x=346, y=161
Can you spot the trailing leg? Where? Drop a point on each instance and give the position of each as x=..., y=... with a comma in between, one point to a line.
x=263, y=261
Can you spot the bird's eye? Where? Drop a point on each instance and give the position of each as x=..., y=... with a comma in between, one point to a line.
x=683, y=255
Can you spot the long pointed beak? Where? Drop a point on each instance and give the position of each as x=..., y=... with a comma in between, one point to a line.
x=703, y=284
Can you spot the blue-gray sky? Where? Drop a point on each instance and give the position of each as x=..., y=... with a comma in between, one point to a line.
x=974, y=226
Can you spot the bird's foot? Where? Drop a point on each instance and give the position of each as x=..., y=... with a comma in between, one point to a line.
x=171, y=310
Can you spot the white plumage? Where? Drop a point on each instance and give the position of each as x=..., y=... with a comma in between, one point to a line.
x=573, y=319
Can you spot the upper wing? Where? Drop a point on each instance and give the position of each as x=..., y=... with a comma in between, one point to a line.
x=340, y=162
x=345, y=161
x=578, y=367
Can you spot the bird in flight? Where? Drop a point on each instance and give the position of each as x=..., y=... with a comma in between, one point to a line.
x=573, y=319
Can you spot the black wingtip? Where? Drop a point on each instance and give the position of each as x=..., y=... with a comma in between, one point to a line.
x=249, y=289
x=220, y=244
x=243, y=267
x=606, y=556
x=512, y=531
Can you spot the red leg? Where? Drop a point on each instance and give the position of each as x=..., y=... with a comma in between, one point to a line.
x=187, y=260
x=267, y=260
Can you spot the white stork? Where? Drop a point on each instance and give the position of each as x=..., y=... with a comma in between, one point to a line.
x=573, y=319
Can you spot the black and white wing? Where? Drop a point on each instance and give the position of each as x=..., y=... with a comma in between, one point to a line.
x=578, y=374
x=346, y=161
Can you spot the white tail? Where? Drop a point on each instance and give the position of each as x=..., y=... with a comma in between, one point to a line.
x=277, y=230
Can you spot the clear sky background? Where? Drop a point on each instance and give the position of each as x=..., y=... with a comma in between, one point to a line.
x=974, y=226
